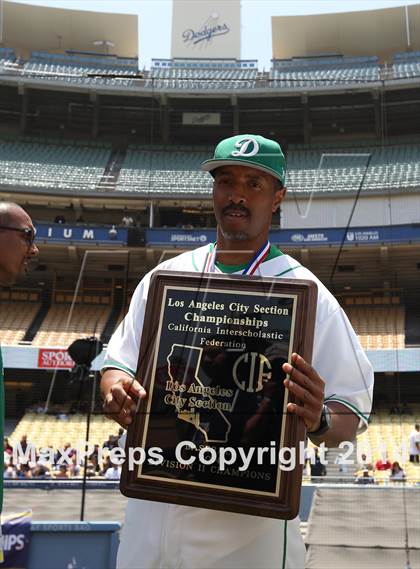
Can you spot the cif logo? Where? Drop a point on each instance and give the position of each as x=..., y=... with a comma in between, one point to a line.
x=247, y=147
x=254, y=368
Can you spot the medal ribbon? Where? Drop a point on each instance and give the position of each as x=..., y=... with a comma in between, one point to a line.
x=251, y=267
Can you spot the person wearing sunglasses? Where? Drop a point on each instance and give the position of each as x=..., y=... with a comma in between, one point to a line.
x=17, y=242
x=17, y=247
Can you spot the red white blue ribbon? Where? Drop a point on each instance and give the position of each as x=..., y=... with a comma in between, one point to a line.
x=252, y=266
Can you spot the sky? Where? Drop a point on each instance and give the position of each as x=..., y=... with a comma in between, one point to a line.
x=155, y=40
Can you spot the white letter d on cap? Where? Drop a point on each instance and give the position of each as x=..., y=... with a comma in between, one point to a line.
x=243, y=144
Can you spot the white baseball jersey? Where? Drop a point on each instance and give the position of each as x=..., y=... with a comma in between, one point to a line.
x=171, y=536
x=414, y=439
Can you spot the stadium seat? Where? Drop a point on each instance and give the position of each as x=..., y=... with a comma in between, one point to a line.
x=406, y=65
x=312, y=72
x=55, y=166
x=85, y=69
x=48, y=431
x=378, y=327
x=86, y=320
x=388, y=435
x=16, y=317
x=177, y=170
x=193, y=74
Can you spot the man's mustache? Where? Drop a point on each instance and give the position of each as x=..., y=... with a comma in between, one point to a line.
x=235, y=209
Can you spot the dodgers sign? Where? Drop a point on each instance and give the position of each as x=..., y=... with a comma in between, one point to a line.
x=210, y=27
x=205, y=34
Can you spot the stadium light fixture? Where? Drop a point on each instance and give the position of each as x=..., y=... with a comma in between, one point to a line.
x=104, y=43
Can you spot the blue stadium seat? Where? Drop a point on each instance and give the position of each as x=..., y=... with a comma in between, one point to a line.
x=312, y=72
x=406, y=65
x=163, y=172
x=51, y=166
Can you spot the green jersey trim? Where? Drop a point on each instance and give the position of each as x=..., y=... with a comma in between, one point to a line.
x=272, y=254
x=349, y=405
x=288, y=271
x=110, y=363
x=230, y=268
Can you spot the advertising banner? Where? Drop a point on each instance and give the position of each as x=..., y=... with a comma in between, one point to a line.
x=51, y=358
x=16, y=529
x=61, y=232
x=294, y=237
x=180, y=237
x=48, y=359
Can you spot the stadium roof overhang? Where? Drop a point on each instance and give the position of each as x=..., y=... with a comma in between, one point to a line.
x=369, y=32
x=29, y=28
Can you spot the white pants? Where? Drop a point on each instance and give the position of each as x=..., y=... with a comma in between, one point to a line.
x=166, y=536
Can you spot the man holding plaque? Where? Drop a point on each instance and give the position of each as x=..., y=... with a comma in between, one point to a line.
x=333, y=395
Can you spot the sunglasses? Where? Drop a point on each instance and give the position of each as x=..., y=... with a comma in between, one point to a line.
x=29, y=233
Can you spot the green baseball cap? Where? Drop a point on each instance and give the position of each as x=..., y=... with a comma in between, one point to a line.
x=249, y=150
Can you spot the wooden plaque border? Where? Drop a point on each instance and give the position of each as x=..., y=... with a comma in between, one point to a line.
x=284, y=505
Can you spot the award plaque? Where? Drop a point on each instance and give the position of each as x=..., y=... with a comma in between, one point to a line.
x=213, y=431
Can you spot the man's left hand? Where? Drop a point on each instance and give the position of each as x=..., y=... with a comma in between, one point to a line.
x=305, y=383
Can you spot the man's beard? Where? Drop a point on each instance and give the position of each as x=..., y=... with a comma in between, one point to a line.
x=234, y=235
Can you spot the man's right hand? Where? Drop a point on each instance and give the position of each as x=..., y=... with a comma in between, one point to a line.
x=121, y=394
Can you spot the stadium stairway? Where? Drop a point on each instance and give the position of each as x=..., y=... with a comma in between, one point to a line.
x=114, y=317
x=112, y=170
x=36, y=323
x=363, y=527
x=337, y=472
x=412, y=323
